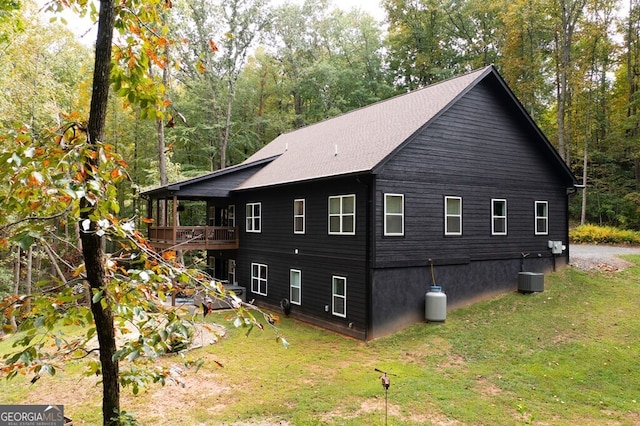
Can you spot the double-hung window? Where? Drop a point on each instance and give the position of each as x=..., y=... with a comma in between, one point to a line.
x=498, y=217
x=342, y=215
x=295, y=283
x=542, y=217
x=259, y=279
x=298, y=216
x=452, y=216
x=393, y=214
x=254, y=217
x=339, y=296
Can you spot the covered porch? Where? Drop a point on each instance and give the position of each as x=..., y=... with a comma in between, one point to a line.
x=175, y=223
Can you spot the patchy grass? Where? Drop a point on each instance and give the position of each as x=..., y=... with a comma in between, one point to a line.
x=564, y=356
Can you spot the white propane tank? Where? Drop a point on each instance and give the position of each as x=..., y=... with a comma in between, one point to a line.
x=435, y=308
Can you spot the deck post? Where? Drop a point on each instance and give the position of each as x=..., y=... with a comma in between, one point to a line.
x=175, y=220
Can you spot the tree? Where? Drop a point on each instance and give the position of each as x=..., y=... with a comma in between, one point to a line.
x=68, y=175
x=421, y=51
x=219, y=36
x=526, y=54
x=566, y=14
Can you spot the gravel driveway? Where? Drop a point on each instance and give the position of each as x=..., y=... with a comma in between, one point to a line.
x=598, y=257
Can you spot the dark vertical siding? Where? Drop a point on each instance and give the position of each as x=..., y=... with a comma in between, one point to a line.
x=318, y=255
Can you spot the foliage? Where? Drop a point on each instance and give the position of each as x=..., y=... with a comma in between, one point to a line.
x=68, y=175
x=48, y=175
x=594, y=234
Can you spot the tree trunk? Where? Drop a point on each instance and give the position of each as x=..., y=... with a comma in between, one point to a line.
x=28, y=277
x=162, y=158
x=16, y=272
x=16, y=288
x=227, y=128
x=91, y=242
x=585, y=163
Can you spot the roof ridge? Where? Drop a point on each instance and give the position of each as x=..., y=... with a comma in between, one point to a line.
x=390, y=98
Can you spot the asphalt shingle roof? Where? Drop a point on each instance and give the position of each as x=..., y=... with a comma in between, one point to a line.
x=356, y=141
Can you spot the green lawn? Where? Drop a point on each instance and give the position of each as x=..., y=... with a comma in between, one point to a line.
x=568, y=355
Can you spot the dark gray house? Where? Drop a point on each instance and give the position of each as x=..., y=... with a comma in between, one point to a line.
x=345, y=218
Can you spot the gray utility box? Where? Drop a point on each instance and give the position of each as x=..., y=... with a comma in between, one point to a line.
x=530, y=282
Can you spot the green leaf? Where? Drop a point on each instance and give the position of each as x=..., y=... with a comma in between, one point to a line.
x=133, y=355
x=96, y=297
x=25, y=241
x=91, y=332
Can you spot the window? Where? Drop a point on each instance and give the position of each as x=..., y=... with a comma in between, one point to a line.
x=298, y=216
x=254, y=220
x=342, y=214
x=542, y=218
x=231, y=215
x=452, y=216
x=232, y=272
x=339, y=299
x=295, y=281
x=259, y=279
x=393, y=214
x=498, y=217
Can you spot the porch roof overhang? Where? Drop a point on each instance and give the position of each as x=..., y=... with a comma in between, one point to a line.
x=218, y=184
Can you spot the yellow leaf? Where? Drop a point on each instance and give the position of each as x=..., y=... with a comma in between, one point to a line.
x=169, y=255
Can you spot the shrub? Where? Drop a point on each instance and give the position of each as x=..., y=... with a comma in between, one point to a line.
x=594, y=234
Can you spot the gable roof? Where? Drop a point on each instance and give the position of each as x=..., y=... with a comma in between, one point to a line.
x=360, y=140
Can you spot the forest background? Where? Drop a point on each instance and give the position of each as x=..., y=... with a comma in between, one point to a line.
x=241, y=72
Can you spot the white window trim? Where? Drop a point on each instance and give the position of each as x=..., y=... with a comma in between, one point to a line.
x=386, y=214
x=341, y=215
x=546, y=218
x=250, y=218
x=299, y=286
x=256, y=281
x=447, y=215
x=303, y=216
x=334, y=295
x=494, y=216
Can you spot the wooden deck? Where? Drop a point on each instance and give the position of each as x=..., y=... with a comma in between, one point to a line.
x=194, y=237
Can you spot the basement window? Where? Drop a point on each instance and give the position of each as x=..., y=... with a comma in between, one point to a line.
x=259, y=279
x=339, y=296
x=295, y=281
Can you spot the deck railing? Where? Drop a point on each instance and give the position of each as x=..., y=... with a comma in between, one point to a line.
x=194, y=237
